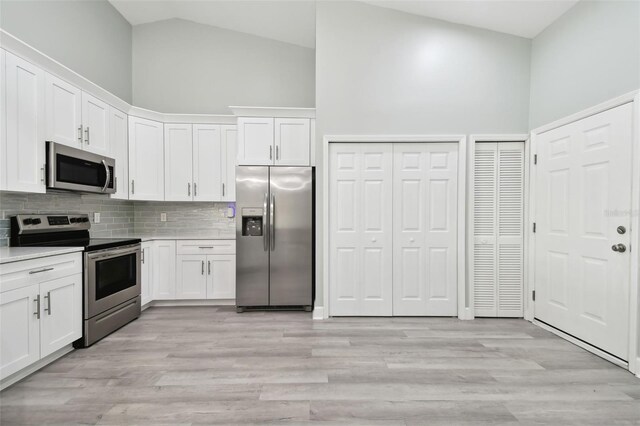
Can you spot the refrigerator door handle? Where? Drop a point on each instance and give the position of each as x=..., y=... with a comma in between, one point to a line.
x=272, y=222
x=265, y=237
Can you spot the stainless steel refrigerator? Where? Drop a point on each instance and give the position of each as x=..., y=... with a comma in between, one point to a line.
x=274, y=237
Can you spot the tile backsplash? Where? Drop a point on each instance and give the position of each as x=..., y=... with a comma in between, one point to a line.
x=122, y=217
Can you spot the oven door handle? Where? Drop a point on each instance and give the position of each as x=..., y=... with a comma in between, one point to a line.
x=114, y=252
x=106, y=169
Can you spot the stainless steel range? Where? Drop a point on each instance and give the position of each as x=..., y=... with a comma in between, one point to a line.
x=111, y=268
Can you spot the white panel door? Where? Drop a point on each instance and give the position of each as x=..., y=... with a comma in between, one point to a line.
x=119, y=145
x=425, y=188
x=178, y=162
x=63, y=112
x=164, y=270
x=255, y=141
x=19, y=330
x=583, y=194
x=292, y=140
x=221, y=277
x=191, y=282
x=146, y=160
x=207, y=162
x=3, y=119
x=146, y=273
x=60, y=313
x=229, y=159
x=25, y=143
x=361, y=229
x=498, y=229
x=95, y=120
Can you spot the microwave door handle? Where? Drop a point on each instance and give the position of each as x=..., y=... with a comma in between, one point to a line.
x=106, y=169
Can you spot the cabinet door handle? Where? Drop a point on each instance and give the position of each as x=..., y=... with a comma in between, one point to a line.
x=42, y=174
x=270, y=153
x=189, y=189
x=142, y=256
x=86, y=131
x=209, y=266
x=48, y=308
x=223, y=189
x=133, y=186
x=195, y=189
x=277, y=152
x=202, y=272
x=80, y=134
x=37, y=312
x=38, y=271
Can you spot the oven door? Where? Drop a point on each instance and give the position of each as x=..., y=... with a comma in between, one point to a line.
x=76, y=170
x=112, y=277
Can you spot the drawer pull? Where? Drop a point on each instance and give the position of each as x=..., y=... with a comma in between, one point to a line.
x=205, y=247
x=41, y=270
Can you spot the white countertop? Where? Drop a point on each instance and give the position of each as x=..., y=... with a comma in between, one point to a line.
x=16, y=254
x=151, y=237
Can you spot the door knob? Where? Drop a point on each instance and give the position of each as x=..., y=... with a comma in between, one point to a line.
x=620, y=248
x=621, y=230
x=373, y=240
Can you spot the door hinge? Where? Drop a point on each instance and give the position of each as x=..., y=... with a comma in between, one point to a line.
x=534, y=227
x=535, y=158
x=534, y=295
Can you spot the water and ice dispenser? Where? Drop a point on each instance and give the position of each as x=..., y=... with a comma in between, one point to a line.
x=252, y=225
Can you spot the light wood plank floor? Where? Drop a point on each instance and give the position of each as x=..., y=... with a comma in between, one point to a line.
x=209, y=365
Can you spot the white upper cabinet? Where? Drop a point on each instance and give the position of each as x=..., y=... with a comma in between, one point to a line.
x=178, y=172
x=146, y=160
x=292, y=140
x=228, y=161
x=255, y=141
x=207, y=162
x=23, y=148
x=118, y=142
x=95, y=118
x=63, y=112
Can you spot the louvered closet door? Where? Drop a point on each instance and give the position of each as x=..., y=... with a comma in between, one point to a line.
x=360, y=229
x=498, y=229
x=425, y=229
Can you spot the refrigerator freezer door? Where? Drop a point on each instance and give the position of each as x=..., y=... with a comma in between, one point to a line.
x=291, y=231
x=252, y=244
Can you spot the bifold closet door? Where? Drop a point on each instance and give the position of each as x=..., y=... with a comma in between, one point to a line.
x=360, y=229
x=425, y=188
x=498, y=229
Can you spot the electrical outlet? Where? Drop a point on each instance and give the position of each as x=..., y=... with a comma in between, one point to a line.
x=96, y=217
x=163, y=217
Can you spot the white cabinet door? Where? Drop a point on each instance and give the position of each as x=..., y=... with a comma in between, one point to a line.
x=178, y=172
x=221, y=277
x=146, y=160
x=361, y=229
x=95, y=120
x=24, y=148
x=229, y=159
x=19, y=329
x=192, y=279
x=255, y=141
x=292, y=140
x=425, y=249
x=146, y=273
x=207, y=162
x=60, y=313
x=63, y=112
x=119, y=144
x=164, y=270
x=3, y=119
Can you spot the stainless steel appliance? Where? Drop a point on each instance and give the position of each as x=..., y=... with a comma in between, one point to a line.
x=111, y=269
x=274, y=237
x=77, y=170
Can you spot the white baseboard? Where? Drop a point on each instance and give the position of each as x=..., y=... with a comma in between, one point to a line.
x=27, y=371
x=218, y=302
x=638, y=372
x=318, y=313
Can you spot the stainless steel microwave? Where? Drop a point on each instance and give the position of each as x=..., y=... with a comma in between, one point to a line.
x=77, y=170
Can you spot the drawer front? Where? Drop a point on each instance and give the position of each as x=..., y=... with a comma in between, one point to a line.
x=21, y=274
x=206, y=247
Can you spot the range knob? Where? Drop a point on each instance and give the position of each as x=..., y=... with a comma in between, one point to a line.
x=27, y=221
x=73, y=220
x=85, y=219
x=36, y=221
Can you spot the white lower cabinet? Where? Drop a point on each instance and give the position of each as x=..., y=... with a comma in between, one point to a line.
x=164, y=270
x=192, y=277
x=146, y=273
x=206, y=276
x=40, y=309
x=221, y=277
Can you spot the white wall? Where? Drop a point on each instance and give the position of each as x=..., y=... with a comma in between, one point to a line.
x=589, y=55
x=184, y=67
x=386, y=72
x=89, y=37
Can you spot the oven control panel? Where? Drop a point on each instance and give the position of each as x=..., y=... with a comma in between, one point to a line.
x=38, y=223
